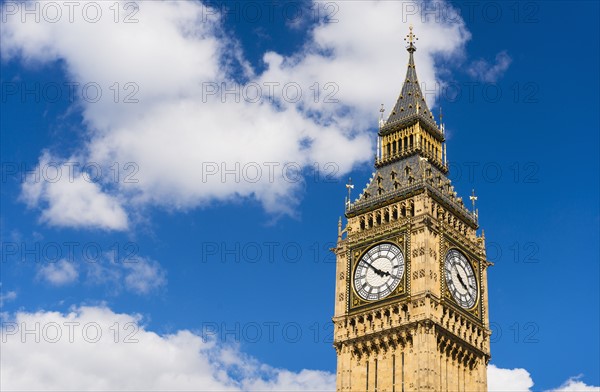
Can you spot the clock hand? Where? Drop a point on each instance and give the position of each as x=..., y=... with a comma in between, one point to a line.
x=461, y=282
x=377, y=270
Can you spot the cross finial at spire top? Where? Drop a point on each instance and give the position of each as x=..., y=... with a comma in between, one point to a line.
x=349, y=186
x=411, y=39
x=473, y=199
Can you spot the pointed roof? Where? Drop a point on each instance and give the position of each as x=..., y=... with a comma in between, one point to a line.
x=411, y=104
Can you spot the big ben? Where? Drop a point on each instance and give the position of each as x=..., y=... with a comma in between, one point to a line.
x=411, y=307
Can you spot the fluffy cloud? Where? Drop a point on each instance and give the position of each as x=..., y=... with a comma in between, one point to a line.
x=573, y=384
x=6, y=296
x=126, y=356
x=138, y=275
x=69, y=198
x=60, y=273
x=193, y=143
x=490, y=73
x=144, y=276
x=506, y=380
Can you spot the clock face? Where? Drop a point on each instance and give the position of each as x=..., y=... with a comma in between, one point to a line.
x=379, y=272
x=460, y=279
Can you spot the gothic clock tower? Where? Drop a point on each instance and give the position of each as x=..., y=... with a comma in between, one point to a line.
x=411, y=306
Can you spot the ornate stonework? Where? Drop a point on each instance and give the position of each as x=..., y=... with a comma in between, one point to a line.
x=431, y=331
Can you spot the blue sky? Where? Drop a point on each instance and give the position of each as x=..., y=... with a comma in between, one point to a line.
x=201, y=209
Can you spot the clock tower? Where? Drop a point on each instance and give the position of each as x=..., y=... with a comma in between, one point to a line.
x=411, y=306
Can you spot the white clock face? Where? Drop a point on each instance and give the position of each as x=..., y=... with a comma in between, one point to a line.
x=379, y=272
x=460, y=279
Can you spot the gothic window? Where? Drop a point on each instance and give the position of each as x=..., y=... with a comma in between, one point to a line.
x=362, y=223
x=410, y=141
x=386, y=215
x=403, y=210
x=395, y=213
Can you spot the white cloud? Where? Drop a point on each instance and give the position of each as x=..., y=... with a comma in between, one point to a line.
x=144, y=276
x=506, y=380
x=71, y=199
x=7, y=296
x=135, y=274
x=59, y=273
x=127, y=356
x=176, y=135
x=133, y=359
x=575, y=385
x=486, y=72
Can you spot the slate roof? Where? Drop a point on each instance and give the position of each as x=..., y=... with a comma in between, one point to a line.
x=411, y=105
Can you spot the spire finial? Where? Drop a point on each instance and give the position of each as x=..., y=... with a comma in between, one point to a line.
x=411, y=39
x=349, y=186
x=473, y=199
x=381, y=121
